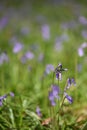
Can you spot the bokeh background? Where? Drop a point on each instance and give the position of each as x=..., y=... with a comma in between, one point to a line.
x=37, y=34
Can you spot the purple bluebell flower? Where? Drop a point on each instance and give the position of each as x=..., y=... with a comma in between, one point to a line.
x=53, y=103
x=52, y=98
x=2, y=98
x=80, y=52
x=70, y=82
x=3, y=22
x=38, y=111
x=54, y=94
x=84, y=34
x=11, y=94
x=45, y=32
x=73, y=81
x=58, y=71
x=29, y=55
x=69, y=98
x=84, y=45
x=55, y=91
x=83, y=20
x=17, y=47
x=49, y=68
x=3, y=58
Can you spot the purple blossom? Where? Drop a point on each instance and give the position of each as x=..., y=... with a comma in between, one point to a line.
x=53, y=103
x=69, y=98
x=58, y=71
x=38, y=111
x=3, y=58
x=52, y=99
x=55, y=91
x=84, y=45
x=51, y=96
x=49, y=68
x=59, y=75
x=54, y=94
x=11, y=94
x=83, y=20
x=17, y=47
x=45, y=32
x=3, y=22
x=84, y=34
x=2, y=98
x=29, y=55
x=70, y=82
x=80, y=52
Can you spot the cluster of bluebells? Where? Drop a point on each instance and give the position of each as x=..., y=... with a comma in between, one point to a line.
x=55, y=92
x=2, y=98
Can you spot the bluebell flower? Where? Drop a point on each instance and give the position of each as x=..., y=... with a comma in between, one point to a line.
x=11, y=94
x=2, y=99
x=49, y=68
x=69, y=98
x=29, y=55
x=3, y=58
x=59, y=70
x=38, y=111
x=45, y=32
x=70, y=82
x=54, y=94
x=55, y=91
x=17, y=47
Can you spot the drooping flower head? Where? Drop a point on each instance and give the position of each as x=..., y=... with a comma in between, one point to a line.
x=69, y=98
x=58, y=71
x=70, y=82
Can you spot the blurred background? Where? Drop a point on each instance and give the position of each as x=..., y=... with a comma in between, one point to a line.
x=35, y=36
